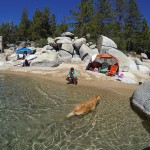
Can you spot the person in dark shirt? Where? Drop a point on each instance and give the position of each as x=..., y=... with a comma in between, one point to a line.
x=26, y=63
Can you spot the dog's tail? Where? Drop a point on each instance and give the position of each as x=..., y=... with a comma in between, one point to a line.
x=70, y=115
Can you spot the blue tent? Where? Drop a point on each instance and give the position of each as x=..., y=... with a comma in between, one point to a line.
x=23, y=50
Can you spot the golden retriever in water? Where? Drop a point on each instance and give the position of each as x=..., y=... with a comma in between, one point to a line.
x=85, y=107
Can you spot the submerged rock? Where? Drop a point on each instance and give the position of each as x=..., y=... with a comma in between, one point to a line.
x=141, y=97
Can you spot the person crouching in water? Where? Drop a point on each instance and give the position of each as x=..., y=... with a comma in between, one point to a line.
x=72, y=76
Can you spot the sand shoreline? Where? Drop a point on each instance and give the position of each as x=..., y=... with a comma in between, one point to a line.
x=86, y=78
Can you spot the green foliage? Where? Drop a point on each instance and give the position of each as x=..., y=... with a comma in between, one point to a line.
x=52, y=25
x=83, y=17
x=119, y=20
x=41, y=42
x=23, y=27
x=7, y=30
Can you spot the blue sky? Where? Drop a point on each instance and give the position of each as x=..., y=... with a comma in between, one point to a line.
x=11, y=10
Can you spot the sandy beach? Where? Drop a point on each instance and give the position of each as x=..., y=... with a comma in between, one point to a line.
x=86, y=78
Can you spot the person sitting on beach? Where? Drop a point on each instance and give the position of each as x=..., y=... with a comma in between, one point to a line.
x=72, y=76
x=26, y=63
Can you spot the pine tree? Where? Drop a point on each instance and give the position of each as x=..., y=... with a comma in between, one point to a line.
x=61, y=28
x=45, y=22
x=132, y=25
x=83, y=17
x=40, y=25
x=52, y=25
x=120, y=9
x=23, y=27
x=104, y=16
x=143, y=43
x=7, y=30
x=36, y=25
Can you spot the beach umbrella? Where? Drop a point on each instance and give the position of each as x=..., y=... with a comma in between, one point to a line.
x=24, y=50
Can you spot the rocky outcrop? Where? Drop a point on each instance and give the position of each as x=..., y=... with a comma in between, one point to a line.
x=85, y=50
x=104, y=44
x=141, y=97
x=68, y=34
x=23, y=44
x=79, y=42
x=138, y=61
x=123, y=59
x=64, y=56
x=68, y=47
x=46, y=59
x=143, y=68
x=46, y=63
x=132, y=65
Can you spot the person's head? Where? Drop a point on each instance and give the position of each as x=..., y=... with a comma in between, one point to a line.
x=72, y=69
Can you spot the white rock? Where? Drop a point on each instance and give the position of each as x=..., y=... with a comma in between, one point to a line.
x=62, y=38
x=62, y=41
x=92, y=46
x=50, y=40
x=79, y=42
x=143, y=68
x=68, y=34
x=31, y=57
x=68, y=47
x=132, y=65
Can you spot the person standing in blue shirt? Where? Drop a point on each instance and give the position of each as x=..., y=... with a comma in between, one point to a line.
x=72, y=76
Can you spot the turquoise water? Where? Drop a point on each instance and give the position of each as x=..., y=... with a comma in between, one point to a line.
x=32, y=117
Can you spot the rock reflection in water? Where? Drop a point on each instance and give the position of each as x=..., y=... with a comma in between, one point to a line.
x=32, y=116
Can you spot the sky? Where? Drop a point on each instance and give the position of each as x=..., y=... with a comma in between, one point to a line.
x=11, y=10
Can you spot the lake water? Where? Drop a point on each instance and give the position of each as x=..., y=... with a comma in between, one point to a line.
x=32, y=117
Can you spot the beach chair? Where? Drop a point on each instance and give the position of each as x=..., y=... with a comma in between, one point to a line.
x=113, y=70
x=104, y=68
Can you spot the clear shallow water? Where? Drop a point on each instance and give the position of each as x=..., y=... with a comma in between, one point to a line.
x=32, y=116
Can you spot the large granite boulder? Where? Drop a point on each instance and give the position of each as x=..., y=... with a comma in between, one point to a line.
x=104, y=44
x=123, y=59
x=132, y=65
x=143, y=68
x=62, y=38
x=47, y=63
x=62, y=41
x=76, y=58
x=50, y=40
x=92, y=46
x=138, y=61
x=23, y=44
x=68, y=47
x=64, y=56
x=85, y=50
x=68, y=34
x=46, y=60
x=31, y=57
x=141, y=97
x=79, y=42
x=46, y=48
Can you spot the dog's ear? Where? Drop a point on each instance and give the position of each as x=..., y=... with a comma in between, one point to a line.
x=97, y=97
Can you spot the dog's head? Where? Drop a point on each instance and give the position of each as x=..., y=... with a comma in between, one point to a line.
x=96, y=99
